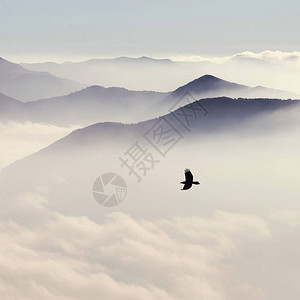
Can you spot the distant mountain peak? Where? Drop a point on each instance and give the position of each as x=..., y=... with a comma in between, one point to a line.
x=206, y=79
x=206, y=84
x=146, y=57
x=208, y=76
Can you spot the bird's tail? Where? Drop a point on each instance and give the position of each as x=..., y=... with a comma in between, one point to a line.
x=196, y=182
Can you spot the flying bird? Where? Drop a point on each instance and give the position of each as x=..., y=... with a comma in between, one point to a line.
x=188, y=180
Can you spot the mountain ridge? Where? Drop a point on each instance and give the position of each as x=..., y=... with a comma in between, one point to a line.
x=147, y=73
x=25, y=85
x=99, y=104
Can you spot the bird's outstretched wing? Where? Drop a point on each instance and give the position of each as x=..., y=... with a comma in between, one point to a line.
x=188, y=175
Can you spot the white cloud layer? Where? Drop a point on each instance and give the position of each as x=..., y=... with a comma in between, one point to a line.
x=121, y=257
x=267, y=55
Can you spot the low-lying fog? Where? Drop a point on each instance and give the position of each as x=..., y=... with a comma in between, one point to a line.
x=18, y=140
x=235, y=236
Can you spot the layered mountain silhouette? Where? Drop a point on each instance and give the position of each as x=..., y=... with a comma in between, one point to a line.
x=22, y=84
x=145, y=73
x=98, y=104
x=63, y=163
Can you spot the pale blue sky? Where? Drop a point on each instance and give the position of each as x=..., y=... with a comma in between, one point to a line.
x=73, y=29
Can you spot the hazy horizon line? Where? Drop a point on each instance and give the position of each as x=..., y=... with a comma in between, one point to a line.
x=278, y=55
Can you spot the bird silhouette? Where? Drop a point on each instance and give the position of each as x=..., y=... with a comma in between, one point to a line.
x=188, y=180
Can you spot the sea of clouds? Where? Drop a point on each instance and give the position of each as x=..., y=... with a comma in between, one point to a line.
x=233, y=237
